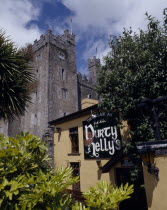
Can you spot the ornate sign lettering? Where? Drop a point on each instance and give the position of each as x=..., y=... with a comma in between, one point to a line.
x=101, y=136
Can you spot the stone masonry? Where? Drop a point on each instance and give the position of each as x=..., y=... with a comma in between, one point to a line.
x=60, y=88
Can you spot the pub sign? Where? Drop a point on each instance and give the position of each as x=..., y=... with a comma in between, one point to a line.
x=102, y=137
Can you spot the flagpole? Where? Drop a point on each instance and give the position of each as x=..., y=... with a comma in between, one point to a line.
x=71, y=24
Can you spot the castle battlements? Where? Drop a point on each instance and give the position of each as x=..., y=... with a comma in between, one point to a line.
x=93, y=62
x=84, y=79
x=59, y=90
x=60, y=41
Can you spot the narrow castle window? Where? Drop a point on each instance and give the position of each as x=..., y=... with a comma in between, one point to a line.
x=62, y=74
x=35, y=96
x=64, y=93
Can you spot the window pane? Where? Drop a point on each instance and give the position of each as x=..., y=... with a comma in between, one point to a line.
x=76, y=172
x=73, y=132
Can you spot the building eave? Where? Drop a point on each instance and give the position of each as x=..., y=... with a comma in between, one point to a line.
x=74, y=115
x=152, y=145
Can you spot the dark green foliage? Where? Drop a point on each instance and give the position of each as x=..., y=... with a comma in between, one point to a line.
x=136, y=68
x=15, y=74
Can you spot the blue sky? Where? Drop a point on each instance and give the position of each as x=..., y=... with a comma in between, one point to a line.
x=93, y=21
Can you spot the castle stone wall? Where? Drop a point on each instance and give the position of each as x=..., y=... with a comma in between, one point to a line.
x=93, y=68
x=86, y=88
x=56, y=94
x=60, y=88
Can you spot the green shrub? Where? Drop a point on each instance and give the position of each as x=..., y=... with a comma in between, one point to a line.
x=104, y=196
x=26, y=179
x=28, y=182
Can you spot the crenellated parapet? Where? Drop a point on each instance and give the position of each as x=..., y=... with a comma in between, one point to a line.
x=93, y=62
x=83, y=79
x=86, y=87
x=67, y=37
x=60, y=41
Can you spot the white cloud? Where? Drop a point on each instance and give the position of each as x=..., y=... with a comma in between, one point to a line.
x=92, y=20
x=106, y=17
x=110, y=16
x=98, y=48
x=58, y=25
x=14, y=15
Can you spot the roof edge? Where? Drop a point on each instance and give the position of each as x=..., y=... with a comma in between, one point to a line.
x=73, y=115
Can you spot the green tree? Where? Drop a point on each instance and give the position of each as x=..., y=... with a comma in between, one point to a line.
x=136, y=68
x=26, y=179
x=15, y=74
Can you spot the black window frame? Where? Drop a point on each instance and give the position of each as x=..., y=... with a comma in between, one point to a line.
x=73, y=133
x=76, y=172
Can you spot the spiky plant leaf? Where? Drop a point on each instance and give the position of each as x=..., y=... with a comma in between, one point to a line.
x=15, y=74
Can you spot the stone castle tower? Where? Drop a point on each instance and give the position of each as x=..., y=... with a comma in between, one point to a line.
x=93, y=67
x=60, y=88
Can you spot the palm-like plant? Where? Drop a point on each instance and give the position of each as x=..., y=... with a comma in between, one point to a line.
x=15, y=74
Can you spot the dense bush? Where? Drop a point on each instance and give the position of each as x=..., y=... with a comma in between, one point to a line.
x=104, y=196
x=28, y=182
